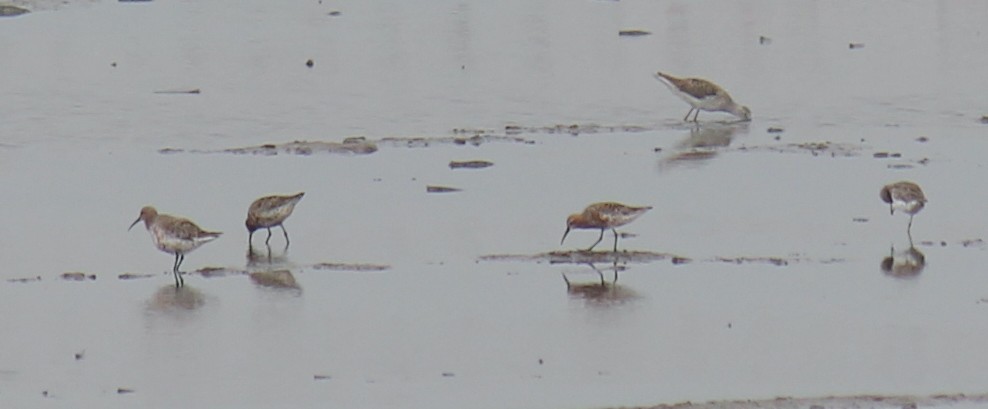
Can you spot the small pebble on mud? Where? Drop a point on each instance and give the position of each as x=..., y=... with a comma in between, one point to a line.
x=680, y=260
x=77, y=276
x=448, y=374
x=319, y=377
x=764, y=40
x=860, y=220
x=441, y=189
x=334, y=13
x=79, y=355
x=24, y=280
x=854, y=46
x=984, y=119
x=179, y=91
x=309, y=63
x=633, y=33
x=972, y=242
x=922, y=139
x=131, y=276
x=122, y=391
x=774, y=130
x=470, y=164
x=657, y=149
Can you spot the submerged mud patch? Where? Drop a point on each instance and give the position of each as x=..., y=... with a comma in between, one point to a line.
x=624, y=257
x=834, y=402
x=354, y=146
x=824, y=148
x=7, y=10
x=583, y=257
x=350, y=267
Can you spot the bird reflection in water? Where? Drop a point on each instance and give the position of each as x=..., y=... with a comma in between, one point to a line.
x=262, y=264
x=702, y=144
x=601, y=293
x=904, y=264
x=265, y=257
x=279, y=279
x=171, y=298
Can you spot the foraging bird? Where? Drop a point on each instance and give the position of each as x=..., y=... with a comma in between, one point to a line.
x=703, y=94
x=271, y=211
x=603, y=216
x=174, y=235
x=904, y=196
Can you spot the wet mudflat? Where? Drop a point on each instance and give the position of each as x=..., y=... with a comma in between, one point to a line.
x=769, y=267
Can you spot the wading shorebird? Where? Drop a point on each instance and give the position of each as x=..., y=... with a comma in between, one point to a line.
x=703, y=94
x=904, y=196
x=603, y=216
x=268, y=212
x=174, y=235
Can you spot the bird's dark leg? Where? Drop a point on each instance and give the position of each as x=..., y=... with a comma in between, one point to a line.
x=285, y=232
x=250, y=238
x=179, y=257
x=909, y=230
x=615, y=269
x=687, y=117
x=269, y=236
x=696, y=114
x=615, y=239
x=598, y=240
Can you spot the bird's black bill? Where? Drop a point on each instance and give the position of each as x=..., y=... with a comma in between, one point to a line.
x=564, y=236
x=132, y=224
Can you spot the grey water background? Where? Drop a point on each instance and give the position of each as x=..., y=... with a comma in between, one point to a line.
x=444, y=326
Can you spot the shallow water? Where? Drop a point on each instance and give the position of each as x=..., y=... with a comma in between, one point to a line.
x=771, y=277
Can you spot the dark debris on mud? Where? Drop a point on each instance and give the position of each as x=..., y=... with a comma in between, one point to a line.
x=834, y=402
x=470, y=164
x=77, y=276
x=24, y=280
x=133, y=276
x=633, y=33
x=441, y=189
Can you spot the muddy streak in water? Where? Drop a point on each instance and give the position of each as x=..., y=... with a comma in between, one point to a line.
x=835, y=402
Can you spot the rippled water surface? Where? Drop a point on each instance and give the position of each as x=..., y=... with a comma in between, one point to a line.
x=768, y=266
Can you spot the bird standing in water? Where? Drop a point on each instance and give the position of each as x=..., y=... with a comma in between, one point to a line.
x=703, y=94
x=906, y=197
x=174, y=235
x=271, y=211
x=603, y=216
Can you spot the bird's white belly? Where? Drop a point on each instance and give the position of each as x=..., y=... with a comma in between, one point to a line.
x=911, y=206
x=171, y=244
